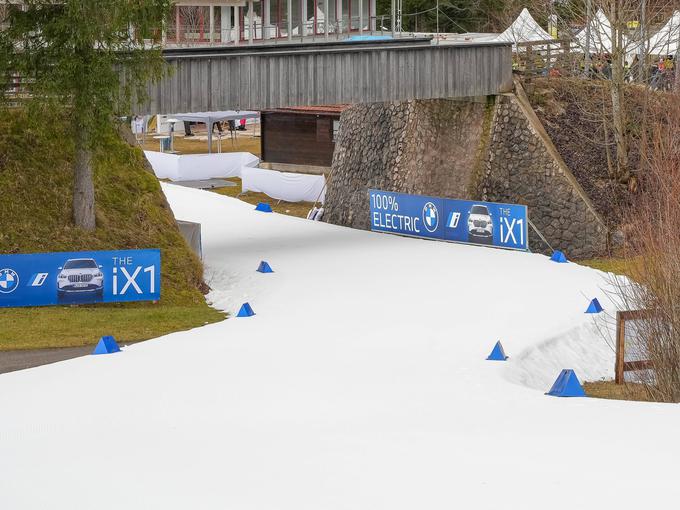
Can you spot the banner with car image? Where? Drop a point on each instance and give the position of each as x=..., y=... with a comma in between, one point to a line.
x=68, y=278
x=462, y=221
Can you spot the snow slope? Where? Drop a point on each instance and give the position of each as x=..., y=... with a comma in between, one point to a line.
x=360, y=384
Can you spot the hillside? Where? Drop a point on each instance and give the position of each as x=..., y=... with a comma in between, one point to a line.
x=573, y=113
x=36, y=176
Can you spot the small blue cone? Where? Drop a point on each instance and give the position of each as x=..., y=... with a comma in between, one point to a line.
x=263, y=207
x=498, y=354
x=594, y=306
x=559, y=257
x=245, y=311
x=106, y=345
x=264, y=267
x=567, y=385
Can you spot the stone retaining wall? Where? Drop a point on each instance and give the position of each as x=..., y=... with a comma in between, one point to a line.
x=490, y=149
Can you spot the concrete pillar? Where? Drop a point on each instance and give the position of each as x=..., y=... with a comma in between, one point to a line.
x=372, y=15
x=251, y=24
x=361, y=17
x=266, y=19
x=178, y=24
x=237, y=26
x=394, y=18
x=303, y=17
x=290, y=20
x=225, y=23
x=338, y=14
x=211, y=8
x=326, y=18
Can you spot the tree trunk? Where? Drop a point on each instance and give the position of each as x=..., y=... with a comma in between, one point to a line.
x=617, y=83
x=83, y=184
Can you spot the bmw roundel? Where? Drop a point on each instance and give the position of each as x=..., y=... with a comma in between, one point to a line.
x=430, y=217
x=9, y=280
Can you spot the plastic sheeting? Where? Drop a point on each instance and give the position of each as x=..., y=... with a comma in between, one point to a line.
x=284, y=185
x=196, y=167
x=191, y=232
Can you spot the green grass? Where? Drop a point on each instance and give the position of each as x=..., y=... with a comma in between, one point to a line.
x=33, y=328
x=36, y=176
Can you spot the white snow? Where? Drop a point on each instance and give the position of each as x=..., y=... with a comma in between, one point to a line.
x=361, y=383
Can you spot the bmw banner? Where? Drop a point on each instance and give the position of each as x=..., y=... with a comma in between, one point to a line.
x=462, y=221
x=80, y=277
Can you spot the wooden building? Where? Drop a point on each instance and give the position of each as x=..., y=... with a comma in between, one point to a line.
x=300, y=135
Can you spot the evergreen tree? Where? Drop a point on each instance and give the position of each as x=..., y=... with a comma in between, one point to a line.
x=80, y=59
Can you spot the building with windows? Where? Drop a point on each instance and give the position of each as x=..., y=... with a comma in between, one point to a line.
x=246, y=21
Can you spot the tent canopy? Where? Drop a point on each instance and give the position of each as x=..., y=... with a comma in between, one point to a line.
x=210, y=118
x=524, y=29
x=600, y=35
x=665, y=41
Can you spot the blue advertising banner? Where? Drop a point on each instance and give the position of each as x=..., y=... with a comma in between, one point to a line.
x=462, y=221
x=80, y=277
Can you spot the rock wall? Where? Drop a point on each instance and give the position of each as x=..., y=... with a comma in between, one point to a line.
x=421, y=147
x=522, y=166
x=491, y=149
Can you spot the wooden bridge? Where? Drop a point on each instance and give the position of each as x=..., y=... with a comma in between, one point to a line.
x=261, y=77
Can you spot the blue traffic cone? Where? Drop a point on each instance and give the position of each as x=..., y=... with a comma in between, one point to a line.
x=559, y=257
x=567, y=385
x=263, y=207
x=264, y=267
x=245, y=311
x=106, y=345
x=594, y=307
x=497, y=354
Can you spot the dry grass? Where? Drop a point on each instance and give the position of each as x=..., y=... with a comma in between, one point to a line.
x=245, y=141
x=298, y=209
x=613, y=391
x=614, y=265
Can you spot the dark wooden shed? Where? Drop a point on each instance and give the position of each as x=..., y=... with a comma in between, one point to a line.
x=301, y=135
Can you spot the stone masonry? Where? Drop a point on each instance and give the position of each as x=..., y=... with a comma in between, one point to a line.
x=420, y=147
x=491, y=149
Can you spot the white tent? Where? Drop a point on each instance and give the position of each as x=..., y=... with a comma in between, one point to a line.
x=600, y=35
x=665, y=41
x=209, y=118
x=524, y=29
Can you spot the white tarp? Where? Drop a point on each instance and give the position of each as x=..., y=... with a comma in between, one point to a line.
x=284, y=185
x=196, y=167
x=524, y=29
x=665, y=41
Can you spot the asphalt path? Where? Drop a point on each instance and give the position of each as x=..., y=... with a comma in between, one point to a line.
x=22, y=359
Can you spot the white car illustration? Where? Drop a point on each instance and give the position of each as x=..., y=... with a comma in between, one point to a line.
x=80, y=275
x=479, y=223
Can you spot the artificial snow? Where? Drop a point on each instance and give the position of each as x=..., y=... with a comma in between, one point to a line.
x=361, y=383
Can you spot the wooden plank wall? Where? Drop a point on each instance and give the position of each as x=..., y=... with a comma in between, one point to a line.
x=298, y=139
x=270, y=77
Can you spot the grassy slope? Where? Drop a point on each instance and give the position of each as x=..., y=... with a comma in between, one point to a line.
x=36, y=176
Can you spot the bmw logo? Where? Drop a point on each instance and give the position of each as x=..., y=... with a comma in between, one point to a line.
x=430, y=217
x=9, y=281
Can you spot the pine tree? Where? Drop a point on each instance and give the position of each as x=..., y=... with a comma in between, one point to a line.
x=79, y=58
